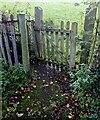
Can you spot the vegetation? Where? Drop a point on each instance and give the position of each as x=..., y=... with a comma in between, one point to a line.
x=86, y=89
x=42, y=99
x=46, y=92
x=61, y=11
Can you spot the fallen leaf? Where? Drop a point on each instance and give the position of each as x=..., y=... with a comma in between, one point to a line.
x=27, y=109
x=22, y=97
x=22, y=88
x=65, y=78
x=71, y=117
x=67, y=105
x=34, y=86
x=51, y=83
x=29, y=97
x=19, y=114
x=8, y=109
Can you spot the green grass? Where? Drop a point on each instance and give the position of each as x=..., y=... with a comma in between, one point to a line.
x=56, y=11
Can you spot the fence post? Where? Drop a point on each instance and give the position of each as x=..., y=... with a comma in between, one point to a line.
x=90, y=18
x=73, y=44
x=24, y=42
x=38, y=36
x=99, y=20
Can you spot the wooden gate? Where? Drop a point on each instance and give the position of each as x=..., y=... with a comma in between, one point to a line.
x=49, y=43
x=55, y=44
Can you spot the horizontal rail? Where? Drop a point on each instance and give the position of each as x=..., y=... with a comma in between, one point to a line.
x=13, y=21
x=97, y=21
x=53, y=30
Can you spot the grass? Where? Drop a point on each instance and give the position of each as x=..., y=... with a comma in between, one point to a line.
x=56, y=11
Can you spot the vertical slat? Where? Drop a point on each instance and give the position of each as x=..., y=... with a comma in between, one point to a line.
x=67, y=39
x=57, y=55
x=73, y=45
x=0, y=55
x=48, y=44
x=33, y=38
x=99, y=20
x=28, y=35
x=1, y=43
x=62, y=39
x=43, y=40
x=38, y=18
x=7, y=45
x=2, y=49
x=52, y=38
x=24, y=43
x=0, y=36
x=14, y=43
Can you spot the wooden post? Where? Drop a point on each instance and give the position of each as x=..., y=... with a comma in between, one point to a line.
x=89, y=23
x=73, y=45
x=99, y=20
x=14, y=43
x=7, y=44
x=24, y=42
x=38, y=19
x=67, y=40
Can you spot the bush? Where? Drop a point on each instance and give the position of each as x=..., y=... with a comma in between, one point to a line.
x=86, y=87
x=11, y=79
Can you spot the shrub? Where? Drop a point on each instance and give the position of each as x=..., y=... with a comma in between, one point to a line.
x=86, y=87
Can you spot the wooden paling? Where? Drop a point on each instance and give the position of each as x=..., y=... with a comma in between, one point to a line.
x=7, y=45
x=14, y=43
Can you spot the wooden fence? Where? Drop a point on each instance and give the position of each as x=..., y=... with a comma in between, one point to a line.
x=38, y=39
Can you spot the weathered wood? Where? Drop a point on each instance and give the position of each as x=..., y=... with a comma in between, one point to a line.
x=48, y=44
x=73, y=45
x=99, y=21
x=89, y=23
x=57, y=44
x=24, y=42
x=38, y=18
x=52, y=30
x=2, y=49
x=7, y=45
x=62, y=39
x=52, y=37
x=0, y=46
x=0, y=63
x=67, y=39
x=14, y=44
x=44, y=42
x=33, y=38
x=55, y=47
x=0, y=54
x=28, y=35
